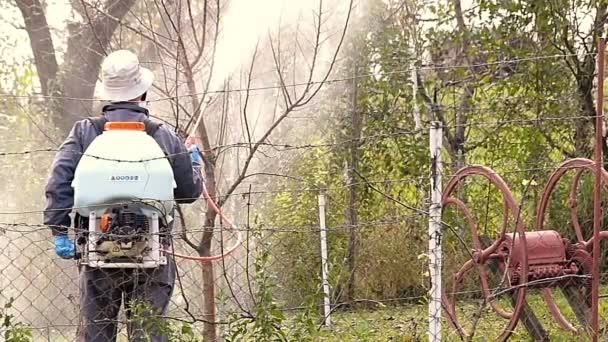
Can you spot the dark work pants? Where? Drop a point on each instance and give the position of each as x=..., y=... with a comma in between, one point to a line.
x=102, y=291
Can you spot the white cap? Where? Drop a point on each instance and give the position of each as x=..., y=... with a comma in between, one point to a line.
x=122, y=77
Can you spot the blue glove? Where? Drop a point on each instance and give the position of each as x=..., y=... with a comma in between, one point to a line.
x=64, y=247
x=195, y=156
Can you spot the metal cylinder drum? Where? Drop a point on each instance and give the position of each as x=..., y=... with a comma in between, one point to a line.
x=546, y=255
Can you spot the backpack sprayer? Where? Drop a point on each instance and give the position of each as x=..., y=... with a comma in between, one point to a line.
x=124, y=186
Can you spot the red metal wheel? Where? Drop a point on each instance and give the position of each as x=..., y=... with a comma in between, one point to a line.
x=580, y=166
x=469, y=280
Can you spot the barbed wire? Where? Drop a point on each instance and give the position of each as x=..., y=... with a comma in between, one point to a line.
x=291, y=147
x=84, y=154
x=286, y=147
x=328, y=81
x=502, y=103
x=412, y=179
x=10, y=227
x=336, y=305
x=18, y=228
x=491, y=109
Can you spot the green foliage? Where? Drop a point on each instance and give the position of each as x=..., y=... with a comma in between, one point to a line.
x=267, y=318
x=13, y=331
x=146, y=321
x=516, y=118
x=268, y=321
x=383, y=323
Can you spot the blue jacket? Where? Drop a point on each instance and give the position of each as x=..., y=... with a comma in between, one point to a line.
x=59, y=191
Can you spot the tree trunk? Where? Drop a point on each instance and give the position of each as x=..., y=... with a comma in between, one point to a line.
x=351, y=215
x=87, y=46
x=42, y=44
x=582, y=131
x=79, y=77
x=209, y=308
x=204, y=248
x=584, y=75
x=464, y=109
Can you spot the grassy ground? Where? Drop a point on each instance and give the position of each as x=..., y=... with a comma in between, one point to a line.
x=403, y=323
x=406, y=323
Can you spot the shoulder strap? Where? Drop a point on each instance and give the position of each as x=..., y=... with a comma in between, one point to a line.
x=151, y=126
x=98, y=123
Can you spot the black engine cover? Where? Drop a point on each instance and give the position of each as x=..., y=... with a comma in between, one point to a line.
x=128, y=225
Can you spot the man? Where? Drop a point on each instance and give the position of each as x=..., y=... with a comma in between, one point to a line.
x=125, y=85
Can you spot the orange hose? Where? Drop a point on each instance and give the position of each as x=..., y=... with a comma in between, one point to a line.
x=231, y=226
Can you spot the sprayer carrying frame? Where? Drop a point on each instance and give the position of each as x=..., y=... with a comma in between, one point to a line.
x=154, y=258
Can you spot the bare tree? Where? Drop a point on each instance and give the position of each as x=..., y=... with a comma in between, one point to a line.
x=293, y=98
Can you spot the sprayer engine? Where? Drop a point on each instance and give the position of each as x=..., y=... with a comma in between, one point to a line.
x=123, y=237
x=125, y=233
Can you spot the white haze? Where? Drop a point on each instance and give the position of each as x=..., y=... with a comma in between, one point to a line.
x=29, y=270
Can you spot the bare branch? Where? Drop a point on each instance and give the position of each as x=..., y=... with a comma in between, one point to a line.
x=334, y=59
x=304, y=98
x=295, y=54
x=249, y=79
x=222, y=126
x=203, y=43
x=277, y=63
x=86, y=12
x=148, y=27
x=316, y=47
x=191, y=17
x=117, y=21
x=198, y=109
x=435, y=109
x=184, y=234
x=162, y=17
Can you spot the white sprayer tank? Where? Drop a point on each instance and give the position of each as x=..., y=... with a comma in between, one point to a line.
x=123, y=166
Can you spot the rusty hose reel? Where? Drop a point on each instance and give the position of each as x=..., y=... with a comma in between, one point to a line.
x=540, y=259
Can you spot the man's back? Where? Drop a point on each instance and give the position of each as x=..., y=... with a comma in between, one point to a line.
x=103, y=291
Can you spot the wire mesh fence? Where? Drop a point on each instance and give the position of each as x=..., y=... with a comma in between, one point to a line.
x=44, y=292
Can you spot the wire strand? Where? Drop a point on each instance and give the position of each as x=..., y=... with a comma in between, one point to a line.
x=328, y=81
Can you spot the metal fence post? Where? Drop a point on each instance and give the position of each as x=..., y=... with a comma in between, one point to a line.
x=597, y=193
x=435, y=232
x=324, y=268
